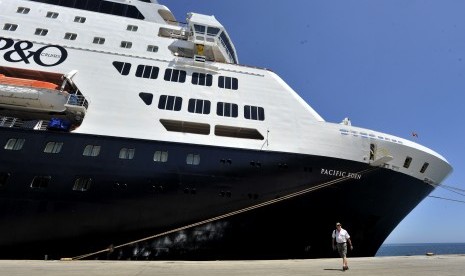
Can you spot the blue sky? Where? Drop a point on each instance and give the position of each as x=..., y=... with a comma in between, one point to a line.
x=396, y=66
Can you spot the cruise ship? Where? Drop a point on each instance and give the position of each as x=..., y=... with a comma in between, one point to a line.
x=118, y=123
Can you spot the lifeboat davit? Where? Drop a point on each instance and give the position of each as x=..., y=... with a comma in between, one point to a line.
x=31, y=94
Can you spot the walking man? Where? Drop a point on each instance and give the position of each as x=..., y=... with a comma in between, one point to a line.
x=340, y=239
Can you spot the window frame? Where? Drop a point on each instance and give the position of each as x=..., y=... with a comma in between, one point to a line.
x=15, y=144
x=91, y=150
x=53, y=147
x=160, y=156
x=171, y=103
x=175, y=75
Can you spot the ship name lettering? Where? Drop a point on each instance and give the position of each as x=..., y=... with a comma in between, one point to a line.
x=21, y=52
x=340, y=173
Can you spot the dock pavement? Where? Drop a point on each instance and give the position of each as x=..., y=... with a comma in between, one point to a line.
x=438, y=265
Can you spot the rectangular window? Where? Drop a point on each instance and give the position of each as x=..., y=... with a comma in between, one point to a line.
x=372, y=151
x=52, y=15
x=160, y=156
x=126, y=44
x=91, y=150
x=199, y=29
x=212, y=31
x=193, y=159
x=98, y=40
x=23, y=10
x=53, y=147
x=4, y=178
x=407, y=162
x=186, y=127
x=10, y=27
x=147, y=72
x=202, y=79
x=82, y=184
x=228, y=83
x=41, y=32
x=238, y=132
x=70, y=36
x=132, y=28
x=254, y=113
x=126, y=153
x=226, y=109
x=170, y=103
x=424, y=167
x=199, y=106
x=79, y=19
x=152, y=48
x=14, y=144
x=175, y=75
x=40, y=182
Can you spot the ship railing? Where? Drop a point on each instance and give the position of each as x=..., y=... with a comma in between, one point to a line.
x=13, y=122
x=10, y=122
x=77, y=101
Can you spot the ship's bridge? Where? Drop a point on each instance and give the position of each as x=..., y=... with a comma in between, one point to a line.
x=203, y=37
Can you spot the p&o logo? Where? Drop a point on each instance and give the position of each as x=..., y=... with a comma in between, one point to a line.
x=20, y=51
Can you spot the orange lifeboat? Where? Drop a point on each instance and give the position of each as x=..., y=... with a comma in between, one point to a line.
x=31, y=94
x=26, y=82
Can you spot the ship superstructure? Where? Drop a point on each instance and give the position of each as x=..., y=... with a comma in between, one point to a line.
x=117, y=122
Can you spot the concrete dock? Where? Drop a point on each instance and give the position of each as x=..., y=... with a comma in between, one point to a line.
x=439, y=265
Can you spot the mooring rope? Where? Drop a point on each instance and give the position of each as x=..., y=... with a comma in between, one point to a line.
x=250, y=208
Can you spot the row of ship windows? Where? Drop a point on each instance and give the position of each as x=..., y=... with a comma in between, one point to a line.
x=99, y=6
x=407, y=161
x=73, y=36
x=174, y=103
x=16, y=144
x=176, y=75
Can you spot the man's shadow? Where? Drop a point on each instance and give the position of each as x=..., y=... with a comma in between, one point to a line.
x=335, y=269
